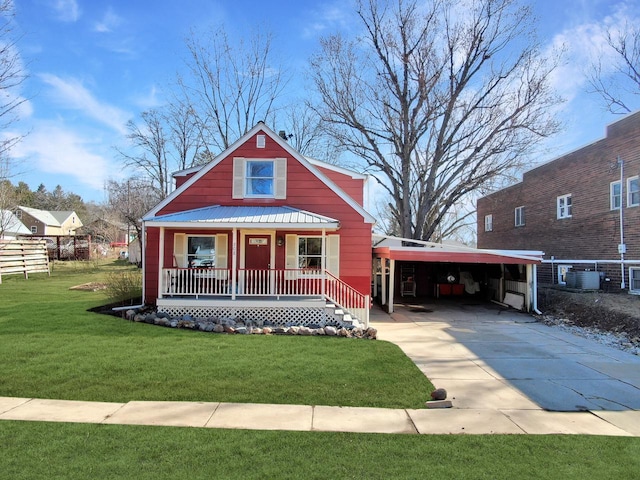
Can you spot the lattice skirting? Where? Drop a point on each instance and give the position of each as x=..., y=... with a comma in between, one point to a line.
x=276, y=315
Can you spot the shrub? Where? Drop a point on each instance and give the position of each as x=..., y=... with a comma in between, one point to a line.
x=123, y=286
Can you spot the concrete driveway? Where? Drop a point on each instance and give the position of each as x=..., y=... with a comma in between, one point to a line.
x=487, y=357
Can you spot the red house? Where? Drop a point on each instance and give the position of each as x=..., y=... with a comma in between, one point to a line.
x=261, y=233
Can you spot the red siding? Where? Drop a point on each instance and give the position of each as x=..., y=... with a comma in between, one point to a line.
x=304, y=191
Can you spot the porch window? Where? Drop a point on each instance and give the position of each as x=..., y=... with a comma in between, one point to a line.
x=201, y=251
x=310, y=253
x=259, y=178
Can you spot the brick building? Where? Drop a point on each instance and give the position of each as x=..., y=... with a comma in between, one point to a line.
x=570, y=208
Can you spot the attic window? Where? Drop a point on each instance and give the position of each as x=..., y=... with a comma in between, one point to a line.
x=260, y=141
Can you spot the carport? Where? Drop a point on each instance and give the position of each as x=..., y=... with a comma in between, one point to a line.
x=406, y=268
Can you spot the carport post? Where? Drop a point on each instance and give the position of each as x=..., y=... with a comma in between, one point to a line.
x=383, y=277
x=374, y=269
x=392, y=267
x=528, y=297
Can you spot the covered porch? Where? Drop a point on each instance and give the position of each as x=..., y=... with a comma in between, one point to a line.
x=274, y=263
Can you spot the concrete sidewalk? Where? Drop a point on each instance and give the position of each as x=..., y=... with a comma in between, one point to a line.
x=451, y=347
x=322, y=418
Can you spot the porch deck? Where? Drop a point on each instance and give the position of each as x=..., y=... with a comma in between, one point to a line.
x=284, y=296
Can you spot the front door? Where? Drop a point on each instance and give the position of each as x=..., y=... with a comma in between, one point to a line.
x=257, y=262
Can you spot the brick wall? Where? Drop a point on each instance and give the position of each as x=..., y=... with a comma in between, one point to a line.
x=593, y=231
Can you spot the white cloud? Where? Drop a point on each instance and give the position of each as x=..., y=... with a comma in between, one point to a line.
x=328, y=17
x=109, y=22
x=72, y=94
x=51, y=149
x=66, y=10
x=586, y=44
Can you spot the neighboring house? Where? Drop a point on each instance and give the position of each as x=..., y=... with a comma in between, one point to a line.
x=11, y=226
x=43, y=222
x=260, y=232
x=571, y=208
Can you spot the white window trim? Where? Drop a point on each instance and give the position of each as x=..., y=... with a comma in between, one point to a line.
x=613, y=195
x=181, y=254
x=279, y=178
x=629, y=192
x=261, y=141
x=331, y=260
x=519, y=220
x=488, y=223
x=34, y=229
x=635, y=289
x=245, y=193
x=566, y=209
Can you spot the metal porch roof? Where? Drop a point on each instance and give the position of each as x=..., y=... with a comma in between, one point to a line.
x=245, y=216
x=456, y=255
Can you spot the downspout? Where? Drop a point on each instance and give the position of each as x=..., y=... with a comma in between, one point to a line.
x=534, y=278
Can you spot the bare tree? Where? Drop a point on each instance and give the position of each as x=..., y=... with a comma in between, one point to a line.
x=305, y=133
x=130, y=200
x=12, y=75
x=440, y=98
x=183, y=135
x=230, y=87
x=619, y=84
x=150, y=151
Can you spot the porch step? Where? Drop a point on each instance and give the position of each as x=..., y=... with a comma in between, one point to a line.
x=338, y=315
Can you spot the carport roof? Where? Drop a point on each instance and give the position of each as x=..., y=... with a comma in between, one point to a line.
x=443, y=253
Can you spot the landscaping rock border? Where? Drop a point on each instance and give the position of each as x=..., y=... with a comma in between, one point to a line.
x=236, y=326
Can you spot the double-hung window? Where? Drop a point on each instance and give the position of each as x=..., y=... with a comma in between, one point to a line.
x=488, y=223
x=519, y=216
x=633, y=192
x=201, y=251
x=615, y=195
x=310, y=253
x=564, y=206
x=259, y=178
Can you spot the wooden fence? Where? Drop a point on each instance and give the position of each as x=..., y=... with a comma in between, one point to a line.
x=23, y=256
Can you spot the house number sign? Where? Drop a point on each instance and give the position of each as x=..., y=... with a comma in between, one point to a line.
x=257, y=241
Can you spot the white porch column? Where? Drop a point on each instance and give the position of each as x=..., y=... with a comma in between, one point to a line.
x=160, y=262
x=234, y=262
x=324, y=261
x=392, y=267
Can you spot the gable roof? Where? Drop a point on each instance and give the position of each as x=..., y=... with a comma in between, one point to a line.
x=256, y=217
x=42, y=215
x=260, y=126
x=61, y=216
x=10, y=224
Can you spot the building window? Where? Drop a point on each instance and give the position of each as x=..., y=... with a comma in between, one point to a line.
x=310, y=253
x=633, y=192
x=564, y=206
x=634, y=280
x=201, y=251
x=259, y=178
x=18, y=214
x=261, y=141
x=34, y=229
x=519, y=216
x=615, y=195
x=488, y=223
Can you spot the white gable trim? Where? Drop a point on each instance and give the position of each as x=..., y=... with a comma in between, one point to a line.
x=285, y=145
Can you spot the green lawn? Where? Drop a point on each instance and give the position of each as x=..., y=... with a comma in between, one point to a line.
x=75, y=451
x=53, y=348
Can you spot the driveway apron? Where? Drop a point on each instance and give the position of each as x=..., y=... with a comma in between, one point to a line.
x=492, y=358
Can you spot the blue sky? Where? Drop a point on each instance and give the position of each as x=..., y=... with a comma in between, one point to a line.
x=94, y=65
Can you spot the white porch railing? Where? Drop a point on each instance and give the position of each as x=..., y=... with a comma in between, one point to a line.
x=211, y=282
x=349, y=299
